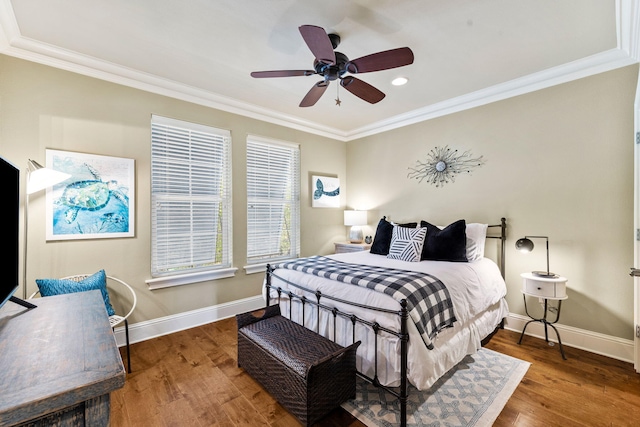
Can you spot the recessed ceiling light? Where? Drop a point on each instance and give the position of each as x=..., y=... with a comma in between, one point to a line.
x=399, y=81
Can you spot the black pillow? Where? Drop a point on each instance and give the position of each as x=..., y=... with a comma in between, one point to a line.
x=382, y=239
x=448, y=244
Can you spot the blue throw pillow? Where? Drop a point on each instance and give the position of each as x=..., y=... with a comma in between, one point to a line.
x=49, y=287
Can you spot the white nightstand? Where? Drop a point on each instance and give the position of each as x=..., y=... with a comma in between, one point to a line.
x=342, y=247
x=546, y=289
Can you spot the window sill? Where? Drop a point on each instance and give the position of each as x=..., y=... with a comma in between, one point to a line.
x=187, y=279
x=262, y=267
x=255, y=268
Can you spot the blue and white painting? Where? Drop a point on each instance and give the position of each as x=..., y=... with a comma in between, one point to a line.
x=325, y=192
x=96, y=202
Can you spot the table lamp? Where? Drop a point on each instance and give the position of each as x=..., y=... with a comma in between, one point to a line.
x=355, y=219
x=526, y=245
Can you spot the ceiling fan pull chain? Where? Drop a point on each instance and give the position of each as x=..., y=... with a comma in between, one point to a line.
x=338, y=102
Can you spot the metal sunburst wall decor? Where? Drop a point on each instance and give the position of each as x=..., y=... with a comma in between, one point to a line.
x=443, y=164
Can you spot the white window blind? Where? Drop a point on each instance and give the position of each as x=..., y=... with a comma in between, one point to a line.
x=190, y=197
x=273, y=200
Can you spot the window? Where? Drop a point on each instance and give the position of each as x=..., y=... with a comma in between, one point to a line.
x=190, y=198
x=273, y=200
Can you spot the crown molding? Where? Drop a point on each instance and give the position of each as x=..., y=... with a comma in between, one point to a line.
x=599, y=63
x=42, y=53
x=628, y=27
x=12, y=43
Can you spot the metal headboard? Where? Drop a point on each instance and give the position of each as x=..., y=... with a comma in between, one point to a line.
x=503, y=239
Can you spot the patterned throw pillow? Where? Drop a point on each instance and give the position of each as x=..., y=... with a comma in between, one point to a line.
x=406, y=243
x=49, y=287
x=384, y=233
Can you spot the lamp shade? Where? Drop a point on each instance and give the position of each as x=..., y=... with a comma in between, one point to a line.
x=524, y=245
x=355, y=218
x=40, y=177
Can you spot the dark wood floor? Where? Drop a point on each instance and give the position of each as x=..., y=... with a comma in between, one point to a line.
x=190, y=378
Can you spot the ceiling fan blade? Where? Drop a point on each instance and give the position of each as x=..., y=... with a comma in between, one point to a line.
x=362, y=89
x=319, y=43
x=385, y=60
x=314, y=94
x=281, y=73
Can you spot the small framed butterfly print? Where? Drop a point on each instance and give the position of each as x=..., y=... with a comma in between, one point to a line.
x=325, y=192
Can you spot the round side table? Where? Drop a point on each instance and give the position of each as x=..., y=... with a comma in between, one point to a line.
x=547, y=289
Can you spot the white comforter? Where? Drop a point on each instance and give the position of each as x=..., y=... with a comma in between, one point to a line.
x=477, y=291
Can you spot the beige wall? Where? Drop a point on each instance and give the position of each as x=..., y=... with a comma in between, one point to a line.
x=42, y=107
x=559, y=162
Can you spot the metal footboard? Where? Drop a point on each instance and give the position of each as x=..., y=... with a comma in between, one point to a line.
x=400, y=393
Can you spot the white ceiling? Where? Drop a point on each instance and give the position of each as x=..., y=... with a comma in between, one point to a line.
x=467, y=52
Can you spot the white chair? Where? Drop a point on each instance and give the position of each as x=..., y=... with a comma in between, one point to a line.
x=123, y=299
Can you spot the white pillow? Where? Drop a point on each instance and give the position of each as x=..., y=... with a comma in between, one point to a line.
x=476, y=238
x=407, y=243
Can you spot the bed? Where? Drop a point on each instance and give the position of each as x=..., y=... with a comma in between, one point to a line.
x=404, y=339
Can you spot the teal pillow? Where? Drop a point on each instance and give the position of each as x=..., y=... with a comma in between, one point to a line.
x=49, y=287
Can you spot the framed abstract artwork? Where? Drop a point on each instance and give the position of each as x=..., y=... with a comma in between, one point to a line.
x=325, y=192
x=97, y=202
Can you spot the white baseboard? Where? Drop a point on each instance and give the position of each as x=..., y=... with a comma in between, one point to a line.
x=606, y=345
x=616, y=348
x=143, y=331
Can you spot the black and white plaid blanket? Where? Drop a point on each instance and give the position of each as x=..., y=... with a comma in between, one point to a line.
x=428, y=300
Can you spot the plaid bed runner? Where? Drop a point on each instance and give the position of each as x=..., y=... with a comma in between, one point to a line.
x=428, y=300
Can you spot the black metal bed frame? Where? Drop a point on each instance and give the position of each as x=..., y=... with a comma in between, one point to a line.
x=401, y=392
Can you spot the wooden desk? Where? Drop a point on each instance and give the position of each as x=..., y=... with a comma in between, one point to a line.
x=58, y=362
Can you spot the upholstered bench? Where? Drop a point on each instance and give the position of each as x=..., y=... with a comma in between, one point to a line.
x=307, y=373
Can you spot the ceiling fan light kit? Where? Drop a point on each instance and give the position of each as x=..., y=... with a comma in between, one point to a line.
x=332, y=65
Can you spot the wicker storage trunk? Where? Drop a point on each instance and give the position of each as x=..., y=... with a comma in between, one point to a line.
x=306, y=373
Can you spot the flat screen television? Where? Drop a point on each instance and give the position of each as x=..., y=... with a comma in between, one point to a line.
x=10, y=220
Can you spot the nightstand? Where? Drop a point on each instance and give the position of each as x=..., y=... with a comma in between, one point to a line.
x=546, y=289
x=343, y=247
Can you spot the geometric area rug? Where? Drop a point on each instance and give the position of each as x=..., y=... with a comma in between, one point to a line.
x=472, y=393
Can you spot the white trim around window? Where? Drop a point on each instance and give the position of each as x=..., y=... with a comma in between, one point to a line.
x=273, y=201
x=191, y=216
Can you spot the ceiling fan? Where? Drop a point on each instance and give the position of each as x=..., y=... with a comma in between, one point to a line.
x=334, y=65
